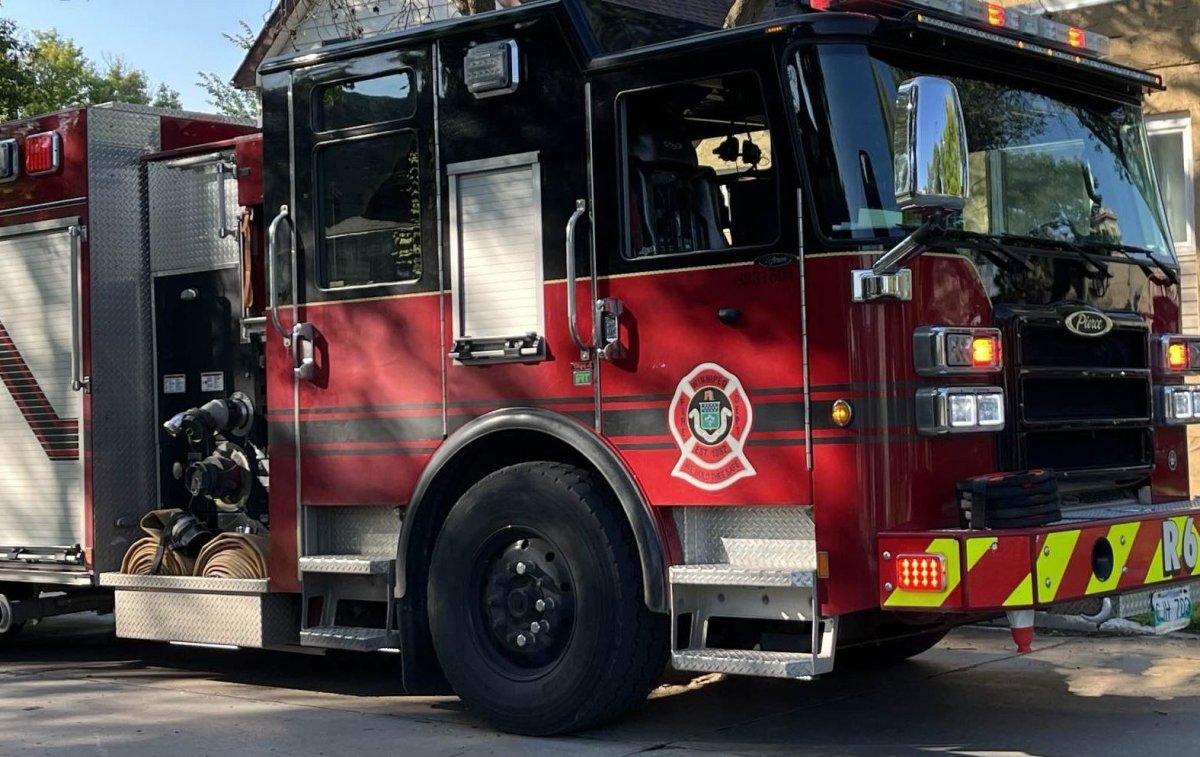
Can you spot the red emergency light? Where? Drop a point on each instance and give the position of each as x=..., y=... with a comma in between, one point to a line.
x=43, y=153
x=921, y=572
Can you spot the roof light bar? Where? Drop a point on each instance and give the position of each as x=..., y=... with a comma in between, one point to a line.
x=985, y=14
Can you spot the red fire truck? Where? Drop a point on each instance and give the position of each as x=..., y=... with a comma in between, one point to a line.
x=550, y=344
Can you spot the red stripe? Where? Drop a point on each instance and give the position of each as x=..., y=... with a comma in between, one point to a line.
x=59, y=437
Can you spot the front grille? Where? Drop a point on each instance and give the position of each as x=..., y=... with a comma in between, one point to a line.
x=1080, y=405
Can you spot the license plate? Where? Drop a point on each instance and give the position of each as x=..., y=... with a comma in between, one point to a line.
x=1172, y=609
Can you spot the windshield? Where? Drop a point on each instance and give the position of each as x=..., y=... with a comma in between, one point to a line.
x=1042, y=165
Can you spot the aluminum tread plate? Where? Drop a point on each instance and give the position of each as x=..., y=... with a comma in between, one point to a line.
x=185, y=584
x=241, y=620
x=346, y=564
x=777, y=536
x=733, y=575
x=1119, y=512
x=744, y=662
x=348, y=637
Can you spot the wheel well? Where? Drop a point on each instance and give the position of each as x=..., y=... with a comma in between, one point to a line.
x=473, y=462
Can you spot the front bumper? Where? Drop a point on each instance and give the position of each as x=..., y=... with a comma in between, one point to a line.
x=1095, y=552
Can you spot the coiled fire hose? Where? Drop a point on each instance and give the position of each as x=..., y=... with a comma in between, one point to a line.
x=140, y=559
x=233, y=555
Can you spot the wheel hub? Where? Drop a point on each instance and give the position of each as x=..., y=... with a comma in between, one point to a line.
x=528, y=602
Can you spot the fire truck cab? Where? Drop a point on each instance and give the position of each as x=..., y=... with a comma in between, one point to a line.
x=554, y=343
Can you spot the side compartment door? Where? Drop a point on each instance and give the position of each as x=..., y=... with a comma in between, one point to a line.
x=42, y=408
x=703, y=385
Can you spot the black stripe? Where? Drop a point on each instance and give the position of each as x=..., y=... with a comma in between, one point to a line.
x=374, y=451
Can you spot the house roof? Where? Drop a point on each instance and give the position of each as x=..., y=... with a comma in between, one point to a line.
x=708, y=12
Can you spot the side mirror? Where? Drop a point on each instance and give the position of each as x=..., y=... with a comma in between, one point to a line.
x=930, y=144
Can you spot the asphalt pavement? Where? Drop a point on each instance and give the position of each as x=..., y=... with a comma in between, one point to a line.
x=67, y=687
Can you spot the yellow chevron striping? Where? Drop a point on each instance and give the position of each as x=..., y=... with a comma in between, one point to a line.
x=977, y=548
x=1155, y=573
x=948, y=548
x=1052, y=562
x=1121, y=538
x=1022, y=595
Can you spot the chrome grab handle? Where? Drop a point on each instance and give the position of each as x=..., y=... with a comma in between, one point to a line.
x=304, y=365
x=223, y=229
x=572, y=305
x=272, y=287
x=79, y=382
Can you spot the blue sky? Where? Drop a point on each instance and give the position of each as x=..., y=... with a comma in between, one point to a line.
x=169, y=39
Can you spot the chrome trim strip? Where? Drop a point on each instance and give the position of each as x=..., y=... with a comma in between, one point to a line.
x=43, y=206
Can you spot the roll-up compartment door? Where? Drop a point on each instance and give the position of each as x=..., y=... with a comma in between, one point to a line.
x=41, y=472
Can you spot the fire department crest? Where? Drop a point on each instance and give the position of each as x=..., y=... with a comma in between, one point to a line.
x=710, y=419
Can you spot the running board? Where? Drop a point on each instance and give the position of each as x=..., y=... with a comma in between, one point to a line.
x=349, y=638
x=357, y=565
x=733, y=575
x=746, y=662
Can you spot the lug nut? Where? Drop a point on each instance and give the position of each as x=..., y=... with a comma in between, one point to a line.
x=522, y=640
x=520, y=569
x=534, y=627
x=540, y=605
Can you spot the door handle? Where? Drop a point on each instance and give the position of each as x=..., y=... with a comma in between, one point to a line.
x=272, y=287
x=79, y=382
x=608, y=328
x=585, y=349
x=305, y=365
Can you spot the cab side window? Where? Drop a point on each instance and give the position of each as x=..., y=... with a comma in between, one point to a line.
x=698, y=168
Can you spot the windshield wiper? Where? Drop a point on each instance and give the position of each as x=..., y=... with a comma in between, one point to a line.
x=1129, y=250
x=1058, y=244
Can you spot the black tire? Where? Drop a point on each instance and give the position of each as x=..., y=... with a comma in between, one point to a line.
x=890, y=651
x=532, y=543
x=15, y=592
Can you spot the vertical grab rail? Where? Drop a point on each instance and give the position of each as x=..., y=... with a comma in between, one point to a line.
x=272, y=286
x=572, y=305
x=79, y=382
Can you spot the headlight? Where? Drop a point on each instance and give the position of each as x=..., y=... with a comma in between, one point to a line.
x=959, y=409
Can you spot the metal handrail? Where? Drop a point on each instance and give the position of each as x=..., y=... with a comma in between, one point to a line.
x=79, y=382
x=272, y=287
x=572, y=304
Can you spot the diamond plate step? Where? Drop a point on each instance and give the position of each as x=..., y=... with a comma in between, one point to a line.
x=361, y=565
x=348, y=637
x=745, y=662
x=732, y=575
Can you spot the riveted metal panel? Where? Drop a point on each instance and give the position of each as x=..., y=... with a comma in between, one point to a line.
x=185, y=208
x=41, y=470
x=243, y=620
x=121, y=371
x=762, y=537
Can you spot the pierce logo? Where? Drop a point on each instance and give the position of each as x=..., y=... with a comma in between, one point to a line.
x=1088, y=323
x=710, y=418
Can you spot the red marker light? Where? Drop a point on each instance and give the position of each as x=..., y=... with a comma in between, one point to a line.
x=42, y=152
x=995, y=15
x=819, y=5
x=921, y=572
x=1076, y=37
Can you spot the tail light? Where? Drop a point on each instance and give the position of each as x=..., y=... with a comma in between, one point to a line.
x=921, y=572
x=945, y=350
x=43, y=152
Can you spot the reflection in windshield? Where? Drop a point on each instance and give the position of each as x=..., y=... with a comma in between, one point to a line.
x=1040, y=166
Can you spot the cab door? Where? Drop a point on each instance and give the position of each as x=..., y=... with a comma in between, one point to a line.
x=700, y=320
x=355, y=377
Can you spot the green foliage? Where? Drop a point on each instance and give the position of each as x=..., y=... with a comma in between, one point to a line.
x=14, y=79
x=166, y=97
x=47, y=71
x=222, y=95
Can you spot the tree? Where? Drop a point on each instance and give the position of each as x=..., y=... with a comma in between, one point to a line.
x=222, y=95
x=119, y=83
x=59, y=74
x=52, y=72
x=14, y=79
x=167, y=97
